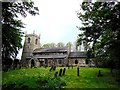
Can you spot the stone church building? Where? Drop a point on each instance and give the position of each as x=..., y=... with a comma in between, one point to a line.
x=34, y=55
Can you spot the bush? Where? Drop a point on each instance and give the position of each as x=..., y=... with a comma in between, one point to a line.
x=34, y=82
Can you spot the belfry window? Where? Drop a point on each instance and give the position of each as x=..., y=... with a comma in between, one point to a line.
x=28, y=40
x=36, y=41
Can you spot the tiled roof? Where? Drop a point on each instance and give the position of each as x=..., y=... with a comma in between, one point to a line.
x=77, y=55
x=50, y=49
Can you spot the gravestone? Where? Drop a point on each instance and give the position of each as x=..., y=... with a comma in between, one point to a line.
x=60, y=72
x=64, y=71
x=55, y=75
x=51, y=68
x=54, y=67
x=77, y=71
x=99, y=74
x=111, y=71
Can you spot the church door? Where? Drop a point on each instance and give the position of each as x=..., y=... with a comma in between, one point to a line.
x=32, y=63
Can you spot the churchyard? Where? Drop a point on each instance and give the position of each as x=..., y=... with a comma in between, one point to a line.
x=45, y=77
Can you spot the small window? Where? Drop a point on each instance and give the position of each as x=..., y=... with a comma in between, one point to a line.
x=76, y=61
x=28, y=40
x=36, y=41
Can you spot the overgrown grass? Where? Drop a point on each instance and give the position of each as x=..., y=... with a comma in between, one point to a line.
x=42, y=78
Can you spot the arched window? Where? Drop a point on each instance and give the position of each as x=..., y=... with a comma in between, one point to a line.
x=28, y=40
x=76, y=61
x=36, y=41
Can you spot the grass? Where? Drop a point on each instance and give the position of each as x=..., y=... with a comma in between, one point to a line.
x=42, y=77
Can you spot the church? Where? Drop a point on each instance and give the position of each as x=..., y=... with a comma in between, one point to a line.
x=34, y=55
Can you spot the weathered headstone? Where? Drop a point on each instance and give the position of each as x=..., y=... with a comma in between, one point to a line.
x=64, y=71
x=60, y=72
x=51, y=69
x=55, y=75
x=99, y=74
x=54, y=67
x=77, y=71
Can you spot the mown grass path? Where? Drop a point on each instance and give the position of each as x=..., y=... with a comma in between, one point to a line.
x=87, y=79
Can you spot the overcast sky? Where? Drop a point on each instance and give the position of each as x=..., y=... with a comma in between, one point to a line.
x=56, y=23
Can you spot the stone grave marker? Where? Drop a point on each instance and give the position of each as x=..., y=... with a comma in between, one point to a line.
x=55, y=75
x=60, y=72
x=99, y=74
x=77, y=71
x=51, y=68
x=54, y=67
x=64, y=71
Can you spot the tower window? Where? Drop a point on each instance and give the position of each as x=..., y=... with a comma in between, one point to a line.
x=28, y=40
x=36, y=41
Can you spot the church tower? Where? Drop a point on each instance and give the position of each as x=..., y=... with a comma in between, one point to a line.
x=32, y=41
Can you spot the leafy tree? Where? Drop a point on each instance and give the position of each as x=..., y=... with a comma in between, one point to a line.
x=52, y=45
x=11, y=26
x=69, y=44
x=60, y=44
x=101, y=29
x=46, y=45
x=49, y=45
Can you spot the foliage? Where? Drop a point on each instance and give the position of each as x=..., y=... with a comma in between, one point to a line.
x=31, y=78
x=60, y=44
x=69, y=45
x=49, y=45
x=11, y=26
x=42, y=78
x=101, y=29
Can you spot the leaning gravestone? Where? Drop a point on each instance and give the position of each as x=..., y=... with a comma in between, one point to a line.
x=60, y=72
x=99, y=74
x=77, y=71
x=64, y=71
x=51, y=68
x=55, y=75
x=54, y=67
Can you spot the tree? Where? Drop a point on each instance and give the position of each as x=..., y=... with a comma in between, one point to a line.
x=101, y=29
x=60, y=44
x=52, y=45
x=11, y=26
x=49, y=45
x=69, y=44
x=46, y=45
